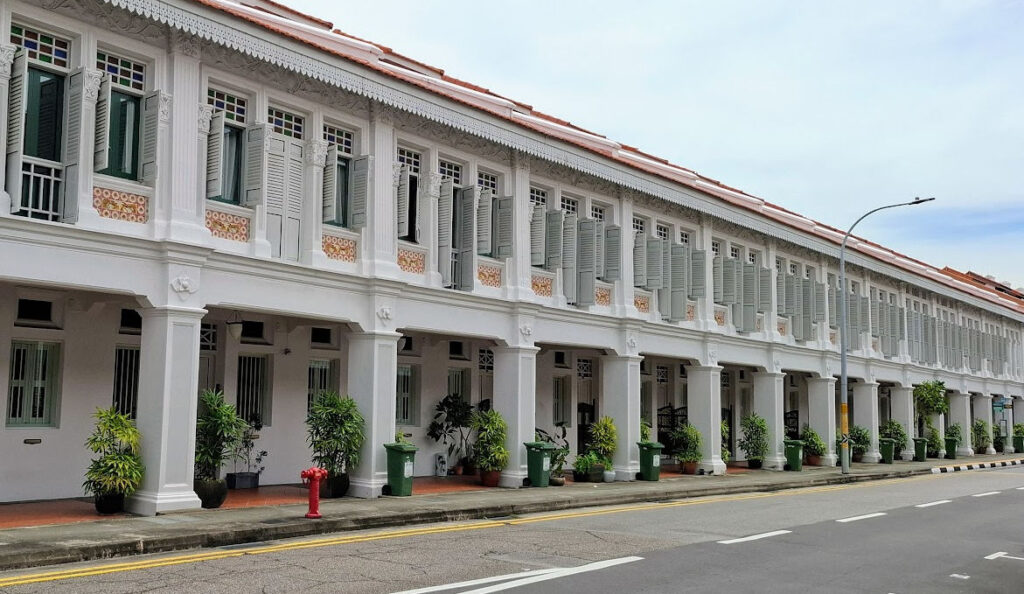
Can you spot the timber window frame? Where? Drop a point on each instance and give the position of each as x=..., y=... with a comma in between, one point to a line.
x=408, y=193
x=34, y=378
x=125, y=397
x=407, y=395
x=346, y=180
x=226, y=148
x=122, y=97
x=253, y=390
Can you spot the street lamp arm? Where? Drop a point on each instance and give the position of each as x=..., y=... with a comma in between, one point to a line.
x=915, y=201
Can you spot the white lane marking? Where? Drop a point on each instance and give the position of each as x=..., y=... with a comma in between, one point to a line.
x=996, y=555
x=959, y=576
x=754, y=537
x=1020, y=488
x=985, y=494
x=935, y=503
x=563, y=572
x=864, y=517
x=481, y=581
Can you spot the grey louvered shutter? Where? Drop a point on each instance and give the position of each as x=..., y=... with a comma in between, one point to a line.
x=215, y=158
x=612, y=253
x=17, y=103
x=795, y=293
x=537, y=235
x=833, y=303
x=402, y=201
x=718, y=279
x=329, y=188
x=698, y=274
x=680, y=284
x=362, y=170
x=853, y=322
x=894, y=329
x=72, y=146
x=295, y=197
x=599, y=249
x=467, y=238
x=865, y=314
x=255, y=164
x=729, y=284
x=553, y=239
x=764, y=304
x=569, y=228
x=819, y=302
x=445, y=221
x=150, y=137
x=101, y=138
x=505, y=237
x=276, y=191
x=484, y=223
x=639, y=260
x=751, y=297
x=780, y=293
x=810, y=308
x=737, y=307
x=654, y=263
x=791, y=297
x=665, y=292
x=587, y=262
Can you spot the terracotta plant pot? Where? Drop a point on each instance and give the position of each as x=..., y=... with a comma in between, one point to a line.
x=755, y=464
x=111, y=503
x=243, y=480
x=335, y=486
x=980, y=451
x=813, y=460
x=689, y=467
x=490, y=478
x=556, y=481
x=211, y=493
x=858, y=457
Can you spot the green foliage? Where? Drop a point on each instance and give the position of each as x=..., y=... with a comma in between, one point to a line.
x=645, y=431
x=955, y=431
x=1018, y=429
x=218, y=431
x=688, y=442
x=724, y=450
x=813, y=444
x=604, y=439
x=754, y=442
x=491, y=431
x=894, y=430
x=981, y=436
x=930, y=398
x=245, y=450
x=118, y=469
x=451, y=425
x=335, y=432
x=401, y=438
x=935, y=444
x=561, y=451
x=584, y=463
x=860, y=439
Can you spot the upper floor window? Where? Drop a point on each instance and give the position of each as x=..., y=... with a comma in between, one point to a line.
x=570, y=205
x=597, y=212
x=339, y=137
x=793, y=268
x=33, y=383
x=408, y=192
x=123, y=72
x=42, y=47
x=716, y=248
x=227, y=136
x=662, y=231
x=452, y=171
x=684, y=237
x=122, y=101
x=286, y=123
x=639, y=225
x=778, y=264
x=410, y=159
x=338, y=186
x=752, y=257
x=734, y=251
x=487, y=181
x=538, y=196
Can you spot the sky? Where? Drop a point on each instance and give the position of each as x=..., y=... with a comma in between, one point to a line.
x=825, y=108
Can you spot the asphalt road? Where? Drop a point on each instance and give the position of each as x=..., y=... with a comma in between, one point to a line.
x=867, y=537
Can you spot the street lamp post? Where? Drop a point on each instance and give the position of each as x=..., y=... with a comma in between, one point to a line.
x=843, y=306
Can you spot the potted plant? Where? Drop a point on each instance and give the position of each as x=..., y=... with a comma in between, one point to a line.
x=645, y=431
x=1018, y=437
x=558, y=455
x=335, y=432
x=118, y=470
x=245, y=452
x=895, y=431
x=930, y=400
x=491, y=454
x=860, y=441
x=934, y=442
x=814, y=446
x=689, y=446
x=954, y=437
x=587, y=467
x=981, y=436
x=724, y=453
x=451, y=427
x=218, y=431
x=604, y=439
x=754, y=442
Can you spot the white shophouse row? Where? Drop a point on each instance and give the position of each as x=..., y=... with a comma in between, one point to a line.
x=176, y=167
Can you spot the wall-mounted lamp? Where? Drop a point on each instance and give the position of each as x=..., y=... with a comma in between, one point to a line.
x=235, y=326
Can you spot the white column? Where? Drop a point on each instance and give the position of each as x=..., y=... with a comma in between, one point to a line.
x=939, y=423
x=865, y=414
x=372, y=373
x=620, y=400
x=1008, y=414
x=821, y=413
x=624, y=303
x=168, y=397
x=902, y=404
x=983, y=410
x=379, y=246
x=768, y=403
x=518, y=269
x=706, y=304
x=515, y=397
x=181, y=167
x=960, y=413
x=704, y=411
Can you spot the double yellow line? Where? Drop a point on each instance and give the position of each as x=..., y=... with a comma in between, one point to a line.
x=52, y=576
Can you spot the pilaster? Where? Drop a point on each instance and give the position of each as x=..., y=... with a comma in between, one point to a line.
x=515, y=397
x=620, y=399
x=821, y=414
x=373, y=366
x=624, y=303
x=311, y=251
x=180, y=166
x=380, y=236
x=704, y=411
x=865, y=414
x=768, y=403
x=960, y=414
x=902, y=404
x=517, y=268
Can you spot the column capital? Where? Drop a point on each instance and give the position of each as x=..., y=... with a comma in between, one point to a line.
x=772, y=374
x=205, y=117
x=707, y=368
x=627, y=357
x=91, y=86
x=829, y=379
x=982, y=396
x=7, y=59
x=515, y=348
x=167, y=311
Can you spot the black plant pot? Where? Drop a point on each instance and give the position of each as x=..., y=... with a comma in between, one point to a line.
x=211, y=493
x=243, y=480
x=110, y=503
x=335, y=486
x=580, y=477
x=754, y=463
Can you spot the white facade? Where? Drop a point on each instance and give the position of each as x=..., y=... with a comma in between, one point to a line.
x=705, y=298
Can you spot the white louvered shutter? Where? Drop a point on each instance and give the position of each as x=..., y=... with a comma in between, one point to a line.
x=718, y=279
x=17, y=103
x=553, y=239
x=537, y=235
x=764, y=302
x=810, y=308
x=215, y=158
x=612, y=253
x=729, y=281
x=751, y=297
x=780, y=293
x=255, y=164
x=680, y=282
x=504, y=239
x=467, y=238
x=852, y=321
x=445, y=204
x=72, y=146
x=665, y=292
x=569, y=241
x=586, y=260
x=362, y=170
x=484, y=223
x=276, y=190
x=150, y=138
x=698, y=274
x=599, y=249
x=819, y=302
x=639, y=260
x=402, y=198
x=295, y=197
x=876, y=316
x=654, y=263
x=833, y=304
x=865, y=314
x=791, y=287
x=101, y=138
x=330, y=185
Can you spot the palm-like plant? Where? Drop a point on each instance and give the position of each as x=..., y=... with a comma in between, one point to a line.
x=491, y=431
x=336, y=431
x=604, y=440
x=218, y=431
x=118, y=470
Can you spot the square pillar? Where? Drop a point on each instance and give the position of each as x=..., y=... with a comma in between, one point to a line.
x=515, y=397
x=960, y=413
x=168, y=398
x=983, y=410
x=902, y=403
x=865, y=414
x=704, y=410
x=939, y=422
x=1008, y=415
x=372, y=373
x=620, y=400
x=768, y=403
x=821, y=414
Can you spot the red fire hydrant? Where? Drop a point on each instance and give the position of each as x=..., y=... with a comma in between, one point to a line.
x=312, y=477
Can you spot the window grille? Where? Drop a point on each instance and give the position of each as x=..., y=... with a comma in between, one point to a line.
x=538, y=196
x=486, y=362
x=734, y=252
x=286, y=123
x=792, y=268
x=662, y=231
x=340, y=137
x=684, y=237
x=752, y=257
x=320, y=378
x=233, y=106
x=126, y=380
x=449, y=170
x=488, y=181
x=122, y=71
x=252, y=386
x=661, y=374
x=208, y=337
x=570, y=205
x=33, y=387
x=458, y=382
x=597, y=212
x=584, y=368
x=40, y=190
x=561, y=400
x=410, y=158
x=406, y=412
x=639, y=225
x=41, y=47
x=716, y=248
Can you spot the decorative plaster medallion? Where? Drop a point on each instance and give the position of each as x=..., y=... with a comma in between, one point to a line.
x=691, y=312
x=316, y=152
x=711, y=354
x=541, y=285
x=91, y=85
x=632, y=343
x=720, y=317
x=526, y=330
x=184, y=43
x=384, y=313
x=397, y=168
x=339, y=248
x=520, y=161
x=488, y=275
x=782, y=328
x=184, y=286
x=205, y=117
x=120, y=206
x=7, y=59
x=227, y=226
x=165, y=108
x=776, y=365
x=411, y=261
x=603, y=296
x=434, y=185
x=642, y=303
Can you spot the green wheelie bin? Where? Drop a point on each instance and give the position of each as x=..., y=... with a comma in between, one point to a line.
x=951, y=443
x=886, y=445
x=920, y=449
x=794, y=454
x=538, y=462
x=400, y=464
x=650, y=460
